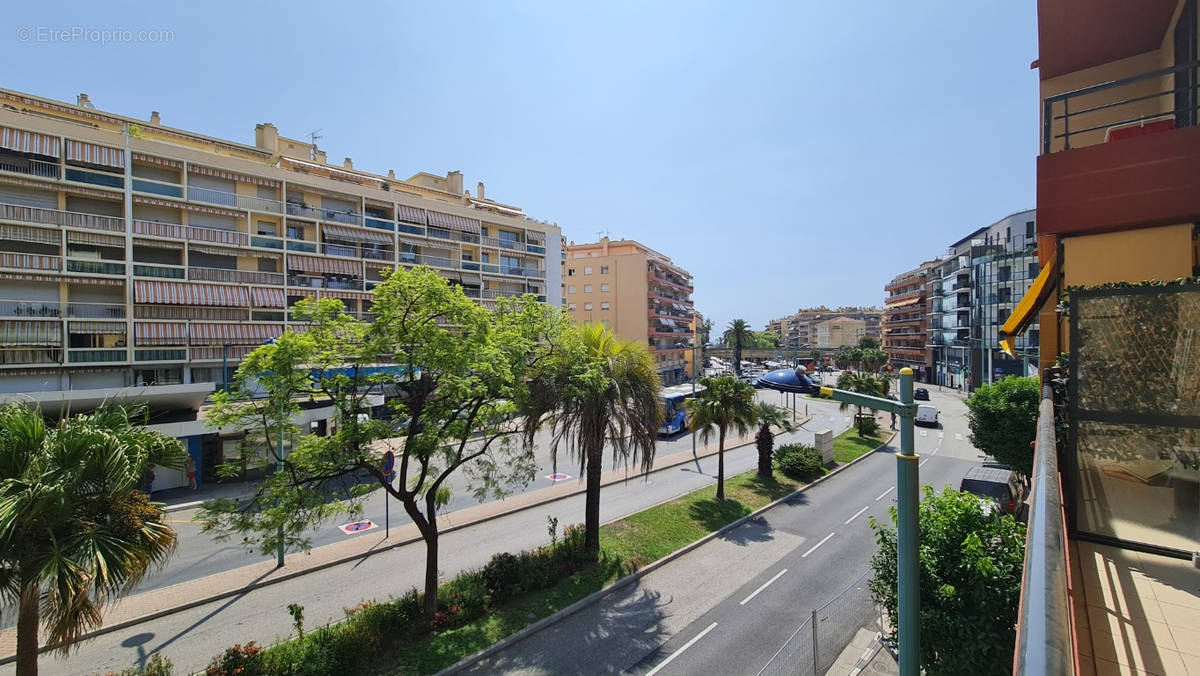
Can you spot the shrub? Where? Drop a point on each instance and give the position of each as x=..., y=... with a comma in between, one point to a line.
x=1003, y=420
x=466, y=595
x=240, y=660
x=799, y=461
x=868, y=426
x=157, y=665
x=500, y=575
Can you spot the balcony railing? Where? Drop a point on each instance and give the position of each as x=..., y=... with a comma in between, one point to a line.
x=1044, y=636
x=16, y=212
x=190, y=312
x=93, y=267
x=30, y=308
x=96, y=310
x=26, y=261
x=235, y=276
x=93, y=356
x=159, y=271
x=230, y=199
x=1120, y=108
x=29, y=167
x=16, y=356
x=103, y=178
x=301, y=245
x=157, y=187
x=378, y=223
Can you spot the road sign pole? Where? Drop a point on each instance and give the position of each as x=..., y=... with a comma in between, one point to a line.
x=908, y=535
x=387, y=515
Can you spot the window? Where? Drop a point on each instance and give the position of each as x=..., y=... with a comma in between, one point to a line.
x=267, y=265
x=571, y=307
x=579, y=254
x=604, y=269
x=587, y=288
x=266, y=228
x=570, y=271
x=1005, y=274
x=1033, y=270
x=604, y=306
x=1029, y=229
x=295, y=233
x=604, y=287
x=587, y=306
x=1008, y=234
x=587, y=271
x=571, y=289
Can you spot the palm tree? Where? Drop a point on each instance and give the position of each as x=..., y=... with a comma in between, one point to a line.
x=871, y=359
x=725, y=404
x=769, y=415
x=863, y=383
x=75, y=531
x=738, y=334
x=600, y=389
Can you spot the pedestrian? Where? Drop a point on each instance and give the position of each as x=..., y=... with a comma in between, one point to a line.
x=893, y=420
x=148, y=479
x=191, y=472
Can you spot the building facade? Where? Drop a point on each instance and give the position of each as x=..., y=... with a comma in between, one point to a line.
x=145, y=261
x=839, y=332
x=905, y=320
x=797, y=332
x=638, y=293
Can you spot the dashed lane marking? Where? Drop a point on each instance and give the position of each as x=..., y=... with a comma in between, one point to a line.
x=885, y=493
x=677, y=653
x=856, y=515
x=764, y=586
x=814, y=547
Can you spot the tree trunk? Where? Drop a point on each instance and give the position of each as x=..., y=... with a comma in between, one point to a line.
x=765, y=443
x=431, y=573
x=591, y=510
x=27, y=632
x=721, y=464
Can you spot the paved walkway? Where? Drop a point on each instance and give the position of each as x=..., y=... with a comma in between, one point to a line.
x=139, y=608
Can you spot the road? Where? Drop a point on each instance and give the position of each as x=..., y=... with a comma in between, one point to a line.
x=760, y=580
x=191, y=637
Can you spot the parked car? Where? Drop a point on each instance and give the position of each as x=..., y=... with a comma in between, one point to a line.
x=997, y=483
x=921, y=394
x=927, y=414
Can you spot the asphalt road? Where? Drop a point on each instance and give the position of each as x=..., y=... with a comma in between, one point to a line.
x=728, y=606
x=191, y=637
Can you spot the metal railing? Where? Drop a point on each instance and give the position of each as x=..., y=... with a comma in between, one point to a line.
x=96, y=310
x=229, y=199
x=1044, y=635
x=189, y=312
x=94, y=356
x=30, y=167
x=159, y=271
x=28, y=261
x=95, y=267
x=1107, y=112
x=17, y=212
x=235, y=276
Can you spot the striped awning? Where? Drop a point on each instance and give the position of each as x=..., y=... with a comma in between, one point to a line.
x=453, y=222
x=158, y=244
x=54, y=279
x=14, y=333
x=268, y=297
x=258, y=253
x=104, y=328
x=213, y=250
x=159, y=333
x=373, y=264
x=323, y=265
x=302, y=291
x=189, y=293
x=234, y=334
x=157, y=229
x=346, y=295
x=356, y=235
x=535, y=237
x=231, y=176
x=21, y=141
x=160, y=161
x=90, y=153
x=215, y=236
x=23, y=233
x=27, y=261
x=95, y=239
x=413, y=241
x=410, y=214
x=90, y=192
x=172, y=204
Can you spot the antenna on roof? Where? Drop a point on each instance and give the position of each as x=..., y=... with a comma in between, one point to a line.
x=312, y=138
x=600, y=234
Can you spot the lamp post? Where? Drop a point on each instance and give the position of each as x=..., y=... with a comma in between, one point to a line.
x=281, y=422
x=695, y=366
x=907, y=483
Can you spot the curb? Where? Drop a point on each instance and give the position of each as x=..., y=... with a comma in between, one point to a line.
x=638, y=574
x=360, y=555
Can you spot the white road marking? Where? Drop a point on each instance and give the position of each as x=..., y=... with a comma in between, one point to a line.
x=941, y=434
x=764, y=586
x=856, y=515
x=885, y=493
x=924, y=433
x=958, y=436
x=675, y=654
x=814, y=547
x=922, y=463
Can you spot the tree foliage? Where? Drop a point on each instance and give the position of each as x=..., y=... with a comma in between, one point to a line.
x=726, y=404
x=459, y=373
x=1003, y=420
x=597, y=390
x=738, y=335
x=768, y=416
x=970, y=561
x=76, y=532
x=863, y=383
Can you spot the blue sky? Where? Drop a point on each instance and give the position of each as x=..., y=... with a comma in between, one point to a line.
x=787, y=154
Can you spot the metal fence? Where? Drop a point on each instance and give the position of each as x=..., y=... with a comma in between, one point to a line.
x=815, y=645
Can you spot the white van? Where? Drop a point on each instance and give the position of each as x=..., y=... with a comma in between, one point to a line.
x=927, y=414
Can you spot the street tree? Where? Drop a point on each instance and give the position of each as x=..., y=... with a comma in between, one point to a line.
x=769, y=416
x=597, y=390
x=459, y=372
x=847, y=358
x=867, y=343
x=738, y=335
x=1003, y=420
x=970, y=561
x=871, y=359
x=867, y=383
x=705, y=331
x=76, y=532
x=726, y=404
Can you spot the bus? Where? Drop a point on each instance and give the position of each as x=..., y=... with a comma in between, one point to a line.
x=674, y=415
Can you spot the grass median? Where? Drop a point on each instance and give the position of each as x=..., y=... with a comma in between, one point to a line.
x=849, y=446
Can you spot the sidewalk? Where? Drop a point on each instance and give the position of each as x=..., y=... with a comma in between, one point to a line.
x=146, y=606
x=177, y=499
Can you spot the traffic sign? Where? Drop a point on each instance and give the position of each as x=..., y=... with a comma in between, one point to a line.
x=389, y=466
x=558, y=476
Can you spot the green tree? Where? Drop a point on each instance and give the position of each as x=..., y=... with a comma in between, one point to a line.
x=461, y=371
x=970, y=561
x=871, y=359
x=765, y=340
x=597, y=390
x=738, y=335
x=768, y=416
x=847, y=358
x=76, y=532
x=863, y=383
x=1003, y=420
x=725, y=404
x=705, y=331
x=868, y=343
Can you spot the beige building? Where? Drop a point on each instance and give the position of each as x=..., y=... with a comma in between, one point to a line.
x=143, y=261
x=639, y=293
x=798, y=331
x=839, y=332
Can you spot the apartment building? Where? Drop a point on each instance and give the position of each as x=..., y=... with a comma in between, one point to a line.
x=1111, y=580
x=798, y=331
x=905, y=319
x=144, y=261
x=839, y=332
x=639, y=293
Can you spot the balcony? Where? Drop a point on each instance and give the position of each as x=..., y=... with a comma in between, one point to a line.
x=157, y=188
x=25, y=261
x=301, y=245
x=452, y=235
x=20, y=356
x=23, y=214
x=229, y=199
x=1120, y=154
x=184, y=312
x=95, y=310
x=101, y=178
x=266, y=242
x=28, y=166
x=159, y=271
x=103, y=356
x=235, y=276
x=378, y=223
x=95, y=267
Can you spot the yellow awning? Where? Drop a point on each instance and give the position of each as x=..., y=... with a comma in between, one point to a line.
x=1022, y=316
